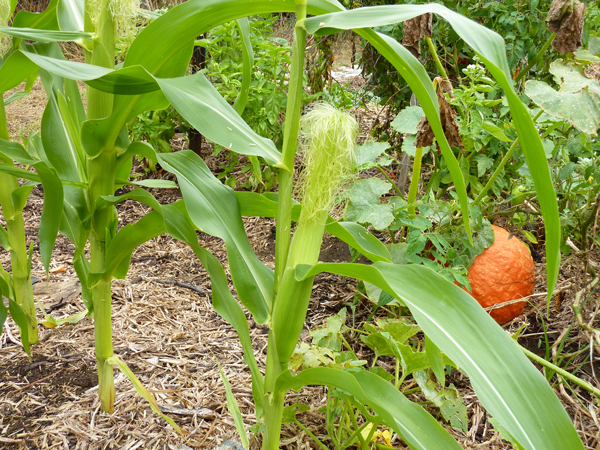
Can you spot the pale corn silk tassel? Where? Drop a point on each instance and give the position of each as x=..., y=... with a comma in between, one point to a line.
x=329, y=158
x=123, y=13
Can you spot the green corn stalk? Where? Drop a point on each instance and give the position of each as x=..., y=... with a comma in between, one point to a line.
x=12, y=209
x=15, y=232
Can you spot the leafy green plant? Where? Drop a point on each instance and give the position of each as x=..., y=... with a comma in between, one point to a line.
x=511, y=388
x=17, y=286
x=393, y=340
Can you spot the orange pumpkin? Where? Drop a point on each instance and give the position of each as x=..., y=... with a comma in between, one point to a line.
x=503, y=272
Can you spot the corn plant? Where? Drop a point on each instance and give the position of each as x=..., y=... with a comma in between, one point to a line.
x=17, y=286
x=152, y=76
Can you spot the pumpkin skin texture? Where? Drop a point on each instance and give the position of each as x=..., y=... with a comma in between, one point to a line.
x=503, y=272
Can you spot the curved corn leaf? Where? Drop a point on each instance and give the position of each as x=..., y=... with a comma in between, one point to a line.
x=16, y=68
x=202, y=106
x=53, y=200
x=247, y=65
x=70, y=15
x=179, y=226
x=194, y=97
x=413, y=424
x=507, y=384
x=213, y=208
x=139, y=387
x=253, y=204
x=490, y=47
x=46, y=20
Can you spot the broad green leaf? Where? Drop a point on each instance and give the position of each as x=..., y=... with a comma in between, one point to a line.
x=408, y=145
x=204, y=108
x=407, y=120
x=367, y=153
x=213, y=208
x=128, y=239
x=577, y=101
x=364, y=205
x=44, y=35
x=45, y=20
x=495, y=131
x=507, y=384
x=15, y=69
x=359, y=238
x=163, y=184
x=413, y=424
x=490, y=47
x=447, y=399
x=194, y=97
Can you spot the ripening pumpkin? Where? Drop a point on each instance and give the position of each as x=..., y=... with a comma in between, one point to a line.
x=503, y=272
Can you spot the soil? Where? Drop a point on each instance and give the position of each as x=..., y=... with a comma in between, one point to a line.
x=166, y=330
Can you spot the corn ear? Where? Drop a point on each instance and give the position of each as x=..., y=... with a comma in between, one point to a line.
x=331, y=136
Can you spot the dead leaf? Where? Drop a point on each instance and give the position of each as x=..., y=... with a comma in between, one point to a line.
x=565, y=18
x=415, y=30
x=451, y=130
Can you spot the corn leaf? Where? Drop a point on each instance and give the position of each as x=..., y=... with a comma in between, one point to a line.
x=213, y=208
x=45, y=20
x=353, y=234
x=70, y=15
x=53, y=200
x=490, y=47
x=139, y=387
x=507, y=384
x=45, y=35
x=247, y=65
x=179, y=226
x=412, y=423
x=234, y=409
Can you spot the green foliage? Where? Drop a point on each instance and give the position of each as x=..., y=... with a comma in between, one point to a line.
x=268, y=93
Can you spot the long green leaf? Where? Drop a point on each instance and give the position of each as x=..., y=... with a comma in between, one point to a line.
x=70, y=15
x=490, y=47
x=247, y=65
x=45, y=35
x=507, y=384
x=194, y=97
x=46, y=20
x=202, y=106
x=353, y=234
x=213, y=208
x=18, y=315
x=179, y=226
x=413, y=424
x=53, y=198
